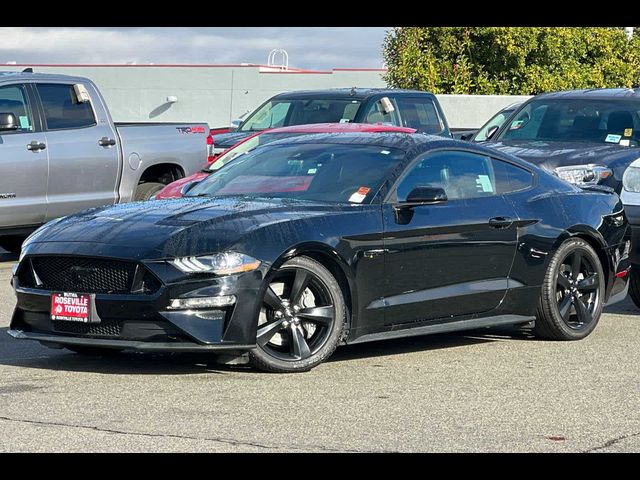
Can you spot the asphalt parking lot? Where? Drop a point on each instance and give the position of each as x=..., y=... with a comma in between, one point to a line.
x=492, y=390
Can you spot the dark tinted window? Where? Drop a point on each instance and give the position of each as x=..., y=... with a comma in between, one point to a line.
x=577, y=120
x=460, y=174
x=13, y=99
x=510, y=178
x=321, y=172
x=419, y=113
x=282, y=113
x=62, y=110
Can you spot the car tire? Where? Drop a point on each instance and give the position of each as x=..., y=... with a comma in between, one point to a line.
x=572, y=297
x=93, y=351
x=11, y=243
x=634, y=286
x=146, y=191
x=300, y=323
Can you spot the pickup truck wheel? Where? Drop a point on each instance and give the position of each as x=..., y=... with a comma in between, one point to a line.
x=146, y=191
x=11, y=243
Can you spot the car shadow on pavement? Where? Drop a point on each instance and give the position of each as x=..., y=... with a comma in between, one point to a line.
x=8, y=257
x=30, y=354
x=400, y=346
x=625, y=307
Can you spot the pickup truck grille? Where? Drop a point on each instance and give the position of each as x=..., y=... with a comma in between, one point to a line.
x=87, y=275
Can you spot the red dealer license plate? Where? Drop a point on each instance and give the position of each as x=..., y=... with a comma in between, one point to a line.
x=71, y=307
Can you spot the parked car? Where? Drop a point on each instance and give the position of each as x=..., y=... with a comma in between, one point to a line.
x=587, y=137
x=60, y=152
x=311, y=241
x=176, y=189
x=491, y=127
x=401, y=108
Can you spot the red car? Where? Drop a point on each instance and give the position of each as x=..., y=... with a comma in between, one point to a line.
x=174, y=190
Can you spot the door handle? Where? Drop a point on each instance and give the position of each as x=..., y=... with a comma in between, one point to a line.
x=106, y=142
x=35, y=146
x=501, y=222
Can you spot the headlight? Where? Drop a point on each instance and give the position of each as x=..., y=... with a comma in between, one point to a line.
x=631, y=179
x=225, y=263
x=584, y=174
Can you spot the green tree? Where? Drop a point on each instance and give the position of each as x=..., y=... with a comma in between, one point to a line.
x=510, y=60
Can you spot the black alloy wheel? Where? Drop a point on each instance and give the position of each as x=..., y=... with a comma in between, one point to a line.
x=572, y=293
x=301, y=318
x=577, y=290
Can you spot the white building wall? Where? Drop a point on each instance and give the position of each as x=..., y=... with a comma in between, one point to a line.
x=217, y=94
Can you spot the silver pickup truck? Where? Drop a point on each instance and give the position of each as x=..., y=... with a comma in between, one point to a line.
x=60, y=152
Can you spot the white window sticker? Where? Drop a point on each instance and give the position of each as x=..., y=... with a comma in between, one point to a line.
x=344, y=120
x=385, y=152
x=359, y=195
x=312, y=171
x=484, y=182
x=24, y=121
x=625, y=142
x=611, y=138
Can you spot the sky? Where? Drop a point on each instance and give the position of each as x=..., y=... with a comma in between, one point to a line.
x=308, y=47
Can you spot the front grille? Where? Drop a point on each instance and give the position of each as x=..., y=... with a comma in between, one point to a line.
x=87, y=275
x=106, y=328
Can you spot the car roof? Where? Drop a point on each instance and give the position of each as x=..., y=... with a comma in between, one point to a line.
x=593, y=93
x=412, y=144
x=353, y=93
x=31, y=76
x=341, y=128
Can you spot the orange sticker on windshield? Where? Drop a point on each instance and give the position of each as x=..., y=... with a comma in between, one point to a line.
x=359, y=195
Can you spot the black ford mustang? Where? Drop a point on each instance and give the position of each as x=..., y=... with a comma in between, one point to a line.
x=308, y=242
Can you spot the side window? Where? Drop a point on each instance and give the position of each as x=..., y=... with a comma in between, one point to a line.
x=62, y=110
x=527, y=123
x=376, y=114
x=13, y=99
x=510, y=178
x=462, y=175
x=421, y=114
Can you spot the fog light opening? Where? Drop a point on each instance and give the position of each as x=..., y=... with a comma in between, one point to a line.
x=201, y=302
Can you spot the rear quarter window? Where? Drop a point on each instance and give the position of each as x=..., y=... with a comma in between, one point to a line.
x=421, y=114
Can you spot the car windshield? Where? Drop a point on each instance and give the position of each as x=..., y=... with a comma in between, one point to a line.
x=247, y=146
x=578, y=120
x=285, y=112
x=324, y=172
x=496, y=121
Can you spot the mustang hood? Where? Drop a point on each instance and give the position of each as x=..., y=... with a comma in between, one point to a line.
x=167, y=228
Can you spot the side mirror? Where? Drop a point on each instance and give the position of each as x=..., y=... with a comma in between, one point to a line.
x=8, y=122
x=466, y=136
x=426, y=195
x=492, y=131
x=234, y=125
x=387, y=105
x=188, y=186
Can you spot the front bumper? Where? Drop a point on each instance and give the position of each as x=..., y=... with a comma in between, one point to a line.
x=142, y=321
x=140, y=346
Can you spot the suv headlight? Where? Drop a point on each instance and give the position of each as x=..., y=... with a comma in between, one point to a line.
x=225, y=263
x=631, y=177
x=584, y=174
